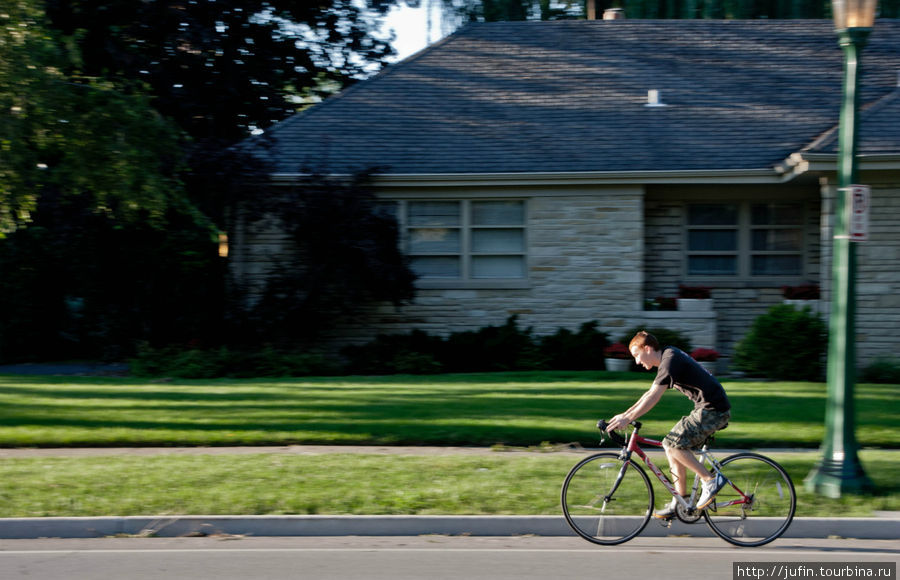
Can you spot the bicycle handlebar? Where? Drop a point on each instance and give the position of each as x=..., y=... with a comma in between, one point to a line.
x=616, y=437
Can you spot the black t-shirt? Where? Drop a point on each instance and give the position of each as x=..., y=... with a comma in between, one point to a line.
x=679, y=371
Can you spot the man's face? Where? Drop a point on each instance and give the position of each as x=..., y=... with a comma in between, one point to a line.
x=642, y=356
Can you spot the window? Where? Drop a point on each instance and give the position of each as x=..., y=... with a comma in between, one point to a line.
x=745, y=239
x=466, y=240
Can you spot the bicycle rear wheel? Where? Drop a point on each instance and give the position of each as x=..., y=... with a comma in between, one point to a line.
x=605, y=500
x=767, y=512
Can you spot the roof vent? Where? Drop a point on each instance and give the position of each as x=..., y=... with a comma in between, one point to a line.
x=653, y=99
x=613, y=14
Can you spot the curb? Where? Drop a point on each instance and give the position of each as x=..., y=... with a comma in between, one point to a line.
x=314, y=525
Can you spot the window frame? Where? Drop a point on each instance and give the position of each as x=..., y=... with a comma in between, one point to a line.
x=466, y=253
x=745, y=252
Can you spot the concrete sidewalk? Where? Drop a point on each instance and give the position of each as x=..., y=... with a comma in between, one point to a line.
x=877, y=528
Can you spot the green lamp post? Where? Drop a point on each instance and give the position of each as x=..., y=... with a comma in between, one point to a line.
x=839, y=469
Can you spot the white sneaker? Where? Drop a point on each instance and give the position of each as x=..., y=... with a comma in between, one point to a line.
x=668, y=512
x=709, y=489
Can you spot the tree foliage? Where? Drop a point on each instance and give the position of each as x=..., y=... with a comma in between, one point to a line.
x=222, y=69
x=344, y=253
x=73, y=136
x=116, y=121
x=459, y=11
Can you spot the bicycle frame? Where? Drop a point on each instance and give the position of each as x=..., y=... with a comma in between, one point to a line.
x=632, y=447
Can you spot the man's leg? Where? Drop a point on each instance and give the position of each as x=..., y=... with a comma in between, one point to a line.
x=679, y=459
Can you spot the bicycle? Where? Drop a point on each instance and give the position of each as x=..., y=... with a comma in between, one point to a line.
x=607, y=498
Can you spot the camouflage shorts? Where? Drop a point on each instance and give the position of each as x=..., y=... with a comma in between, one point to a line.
x=692, y=431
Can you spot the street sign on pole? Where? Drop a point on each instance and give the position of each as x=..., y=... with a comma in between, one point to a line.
x=856, y=212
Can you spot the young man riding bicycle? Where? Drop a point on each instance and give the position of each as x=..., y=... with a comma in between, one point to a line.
x=711, y=413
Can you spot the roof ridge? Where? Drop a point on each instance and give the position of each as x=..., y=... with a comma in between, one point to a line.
x=829, y=136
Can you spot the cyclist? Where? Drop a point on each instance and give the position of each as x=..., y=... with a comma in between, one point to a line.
x=711, y=413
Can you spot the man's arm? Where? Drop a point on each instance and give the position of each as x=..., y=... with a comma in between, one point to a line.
x=644, y=404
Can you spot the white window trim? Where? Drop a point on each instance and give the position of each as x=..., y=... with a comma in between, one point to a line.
x=466, y=228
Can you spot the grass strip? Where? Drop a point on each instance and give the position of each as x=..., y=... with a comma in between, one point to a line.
x=517, y=409
x=347, y=483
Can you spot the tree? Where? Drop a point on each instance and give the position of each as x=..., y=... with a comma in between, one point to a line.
x=225, y=69
x=495, y=10
x=74, y=136
x=344, y=253
x=99, y=245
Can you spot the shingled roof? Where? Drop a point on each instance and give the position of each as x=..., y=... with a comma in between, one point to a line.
x=571, y=96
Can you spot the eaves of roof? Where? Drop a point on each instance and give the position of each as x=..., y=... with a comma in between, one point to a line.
x=715, y=176
x=805, y=162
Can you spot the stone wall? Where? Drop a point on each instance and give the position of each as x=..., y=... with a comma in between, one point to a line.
x=737, y=302
x=597, y=253
x=878, y=270
x=585, y=257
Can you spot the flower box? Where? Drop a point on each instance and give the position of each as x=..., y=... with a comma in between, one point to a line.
x=617, y=357
x=707, y=358
x=618, y=364
x=695, y=304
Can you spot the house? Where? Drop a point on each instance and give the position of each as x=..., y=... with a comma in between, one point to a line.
x=571, y=171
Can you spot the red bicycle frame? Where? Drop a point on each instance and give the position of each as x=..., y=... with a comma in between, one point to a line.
x=632, y=447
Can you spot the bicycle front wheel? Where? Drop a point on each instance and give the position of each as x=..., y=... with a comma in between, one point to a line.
x=607, y=500
x=758, y=503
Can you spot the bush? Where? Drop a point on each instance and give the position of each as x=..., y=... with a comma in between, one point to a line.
x=567, y=350
x=785, y=344
x=882, y=371
x=492, y=348
x=197, y=363
x=413, y=353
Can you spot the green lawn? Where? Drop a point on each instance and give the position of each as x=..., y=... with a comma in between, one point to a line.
x=345, y=483
x=504, y=409
x=518, y=409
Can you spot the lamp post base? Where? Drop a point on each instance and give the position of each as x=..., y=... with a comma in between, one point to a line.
x=835, y=476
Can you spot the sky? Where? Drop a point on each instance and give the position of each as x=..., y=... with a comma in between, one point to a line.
x=412, y=29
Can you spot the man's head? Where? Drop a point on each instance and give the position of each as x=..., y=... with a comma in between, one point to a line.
x=644, y=348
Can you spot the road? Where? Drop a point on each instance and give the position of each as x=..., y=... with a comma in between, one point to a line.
x=401, y=558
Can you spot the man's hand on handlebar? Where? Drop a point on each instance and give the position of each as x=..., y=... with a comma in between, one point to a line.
x=617, y=423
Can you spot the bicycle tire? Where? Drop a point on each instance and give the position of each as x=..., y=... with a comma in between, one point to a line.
x=771, y=511
x=629, y=505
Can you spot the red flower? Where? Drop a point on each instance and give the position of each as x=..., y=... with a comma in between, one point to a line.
x=616, y=350
x=705, y=354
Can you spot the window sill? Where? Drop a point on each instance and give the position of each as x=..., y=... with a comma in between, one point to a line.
x=472, y=284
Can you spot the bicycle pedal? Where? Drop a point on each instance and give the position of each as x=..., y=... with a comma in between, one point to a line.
x=665, y=522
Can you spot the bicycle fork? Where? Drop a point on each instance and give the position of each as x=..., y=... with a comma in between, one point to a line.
x=612, y=491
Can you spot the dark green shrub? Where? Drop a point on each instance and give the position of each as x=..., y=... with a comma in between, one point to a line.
x=416, y=352
x=196, y=363
x=416, y=363
x=492, y=348
x=567, y=350
x=883, y=370
x=785, y=344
